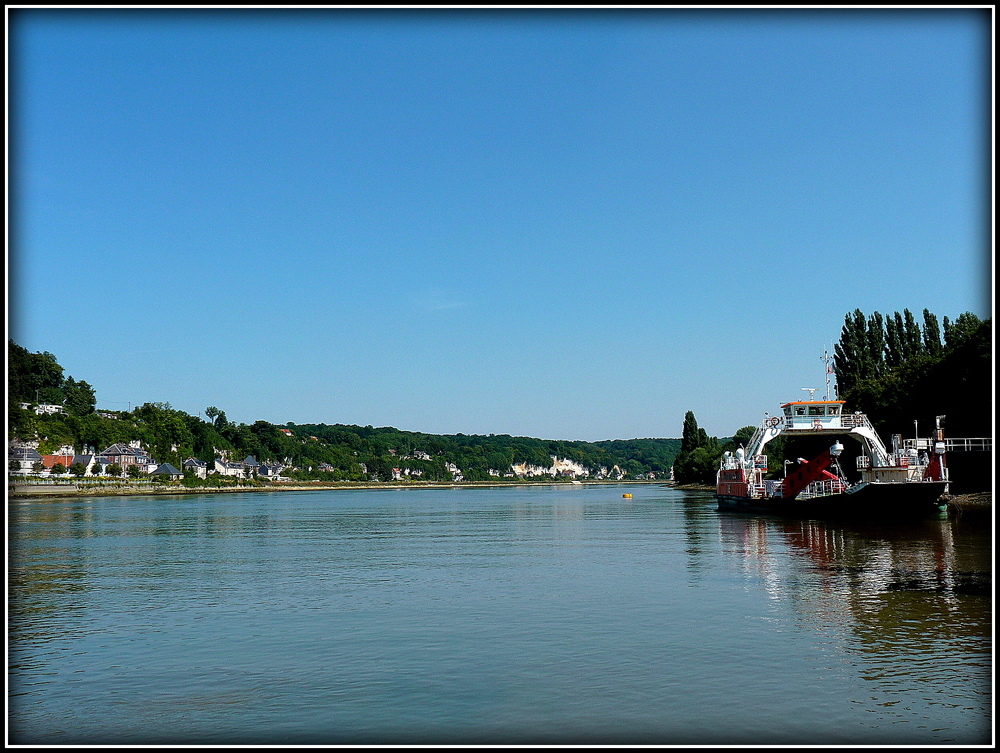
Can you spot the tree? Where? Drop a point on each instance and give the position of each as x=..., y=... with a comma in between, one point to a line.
x=932, y=334
x=78, y=469
x=875, y=336
x=698, y=459
x=689, y=433
x=913, y=338
x=851, y=353
x=14, y=466
x=134, y=471
x=895, y=347
x=32, y=377
x=57, y=469
x=78, y=397
x=38, y=466
x=113, y=470
x=96, y=469
x=962, y=329
x=743, y=436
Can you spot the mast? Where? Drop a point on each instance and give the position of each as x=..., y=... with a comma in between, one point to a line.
x=826, y=358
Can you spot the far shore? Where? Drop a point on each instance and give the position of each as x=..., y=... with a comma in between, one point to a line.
x=61, y=491
x=974, y=501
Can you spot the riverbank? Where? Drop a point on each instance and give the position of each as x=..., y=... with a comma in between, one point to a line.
x=978, y=502
x=974, y=502
x=21, y=491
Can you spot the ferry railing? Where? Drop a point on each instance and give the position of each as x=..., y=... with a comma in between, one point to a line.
x=823, y=488
x=954, y=444
x=772, y=488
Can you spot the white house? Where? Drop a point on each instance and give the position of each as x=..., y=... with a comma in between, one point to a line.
x=200, y=467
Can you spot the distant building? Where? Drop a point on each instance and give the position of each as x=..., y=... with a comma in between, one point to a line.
x=200, y=467
x=44, y=408
x=126, y=455
x=226, y=468
x=167, y=470
x=270, y=471
x=26, y=456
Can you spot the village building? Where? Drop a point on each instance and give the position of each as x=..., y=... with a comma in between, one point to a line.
x=169, y=471
x=127, y=455
x=227, y=468
x=25, y=456
x=199, y=467
x=271, y=471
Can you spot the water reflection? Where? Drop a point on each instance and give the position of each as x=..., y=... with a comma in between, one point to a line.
x=864, y=563
x=911, y=602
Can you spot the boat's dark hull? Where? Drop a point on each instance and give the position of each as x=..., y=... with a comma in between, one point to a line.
x=870, y=501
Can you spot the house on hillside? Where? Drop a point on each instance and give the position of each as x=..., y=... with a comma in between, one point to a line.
x=200, y=467
x=227, y=468
x=168, y=471
x=26, y=456
x=87, y=461
x=126, y=455
x=44, y=408
x=270, y=471
x=50, y=460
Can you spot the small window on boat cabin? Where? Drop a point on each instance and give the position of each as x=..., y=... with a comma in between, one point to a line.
x=833, y=410
x=800, y=410
x=815, y=410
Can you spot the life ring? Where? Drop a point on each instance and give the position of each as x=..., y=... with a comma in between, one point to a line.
x=773, y=421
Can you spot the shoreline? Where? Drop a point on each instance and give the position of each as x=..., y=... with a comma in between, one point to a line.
x=972, y=501
x=63, y=491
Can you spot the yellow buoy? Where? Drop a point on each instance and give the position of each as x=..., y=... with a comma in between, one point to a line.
x=627, y=496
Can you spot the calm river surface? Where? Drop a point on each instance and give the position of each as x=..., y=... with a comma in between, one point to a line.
x=551, y=614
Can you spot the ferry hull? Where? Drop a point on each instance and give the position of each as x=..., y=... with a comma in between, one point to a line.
x=870, y=501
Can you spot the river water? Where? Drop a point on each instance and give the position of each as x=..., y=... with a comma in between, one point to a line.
x=547, y=614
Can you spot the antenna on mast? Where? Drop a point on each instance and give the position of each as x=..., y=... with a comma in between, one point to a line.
x=829, y=370
x=810, y=390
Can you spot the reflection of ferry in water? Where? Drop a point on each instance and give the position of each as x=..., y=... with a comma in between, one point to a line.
x=901, y=480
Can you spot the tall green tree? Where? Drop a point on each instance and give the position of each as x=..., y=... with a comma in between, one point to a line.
x=32, y=377
x=851, y=352
x=79, y=398
x=697, y=461
x=690, y=436
x=875, y=339
x=932, y=334
x=895, y=343
x=913, y=337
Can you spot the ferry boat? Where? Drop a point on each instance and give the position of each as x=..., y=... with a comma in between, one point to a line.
x=901, y=480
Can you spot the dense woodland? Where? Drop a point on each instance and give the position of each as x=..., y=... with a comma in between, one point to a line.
x=898, y=371
x=355, y=453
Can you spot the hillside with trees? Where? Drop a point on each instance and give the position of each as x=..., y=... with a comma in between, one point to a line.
x=324, y=452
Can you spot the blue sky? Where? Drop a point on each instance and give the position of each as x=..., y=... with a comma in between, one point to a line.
x=559, y=224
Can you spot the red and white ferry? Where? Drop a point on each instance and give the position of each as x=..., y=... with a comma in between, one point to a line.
x=900, y=480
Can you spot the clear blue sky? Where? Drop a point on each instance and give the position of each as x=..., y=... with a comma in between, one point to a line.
x=558, y=224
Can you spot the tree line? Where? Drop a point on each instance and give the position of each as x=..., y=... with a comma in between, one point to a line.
x=345, y=452
x=898, y=371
